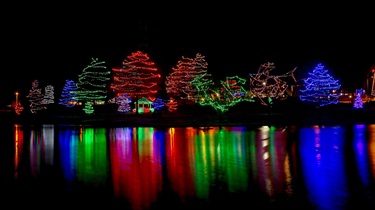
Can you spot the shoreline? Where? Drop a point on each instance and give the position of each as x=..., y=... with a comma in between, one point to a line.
x=291, y=117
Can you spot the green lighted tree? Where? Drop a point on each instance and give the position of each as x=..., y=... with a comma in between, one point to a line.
x=92, y=85
x=221, y=98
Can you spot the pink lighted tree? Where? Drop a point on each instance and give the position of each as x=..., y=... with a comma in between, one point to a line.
x=35, y=97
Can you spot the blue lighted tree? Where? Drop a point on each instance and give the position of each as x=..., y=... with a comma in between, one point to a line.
x=320, y=88
x=67, y=94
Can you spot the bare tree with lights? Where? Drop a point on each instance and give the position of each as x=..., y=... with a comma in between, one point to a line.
x=267, y=87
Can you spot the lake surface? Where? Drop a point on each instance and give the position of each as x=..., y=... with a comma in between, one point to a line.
x=265, y=167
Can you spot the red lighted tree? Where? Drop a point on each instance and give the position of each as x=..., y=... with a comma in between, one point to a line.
x=178, y=82
x=138, y=77
x=180, y=78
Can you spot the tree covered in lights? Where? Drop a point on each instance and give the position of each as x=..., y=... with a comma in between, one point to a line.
x=35, y=97
x=320, y=88
x=67, y=95
x=230, y=93
x=88, y=108
x=178, y=82
x=267, y=87
x=233, y=89
x=171, y=105
x=137, y=77
x=358, y=102
x=123, y=103
x=92, y=85
x=49, y=95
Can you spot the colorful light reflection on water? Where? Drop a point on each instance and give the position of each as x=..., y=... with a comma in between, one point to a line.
x=312, y=167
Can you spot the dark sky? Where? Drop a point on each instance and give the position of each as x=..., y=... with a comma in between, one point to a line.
x=54, y=43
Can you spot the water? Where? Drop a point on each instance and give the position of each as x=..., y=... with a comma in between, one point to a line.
x=266, y=167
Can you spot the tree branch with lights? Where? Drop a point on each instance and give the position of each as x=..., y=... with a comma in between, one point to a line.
x=267, y=87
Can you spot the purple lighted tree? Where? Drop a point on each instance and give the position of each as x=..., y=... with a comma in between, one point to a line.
x=358, y=103
x=123, y=102
x=320, y=88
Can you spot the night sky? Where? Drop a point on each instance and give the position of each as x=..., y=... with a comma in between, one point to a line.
x=54, y=43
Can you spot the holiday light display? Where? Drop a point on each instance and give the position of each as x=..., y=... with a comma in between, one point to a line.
x=267, y=87
x=49, y=95
x=138, y=77
x=35, y=97
x=143, y=105
x=123, y=102
x=88, y=108
x=358, y=103
x=67, y=94
x=221, y=98
x=158, y=104
x=171, y=105
x=233, y=89
x=178, y=82
x=17, y=106
x=93, y=83
x=320, y=88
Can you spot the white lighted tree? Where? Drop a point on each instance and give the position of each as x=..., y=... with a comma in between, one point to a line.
x=49, y=95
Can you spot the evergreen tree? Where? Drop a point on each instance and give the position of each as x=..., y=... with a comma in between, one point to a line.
x=138, y=77
x=35, y=97
x=88, y=108
x=358, y=102
x=67, y=94
x=320, y=88
x=49, y=95
x=92, y=83
x=178, y=82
